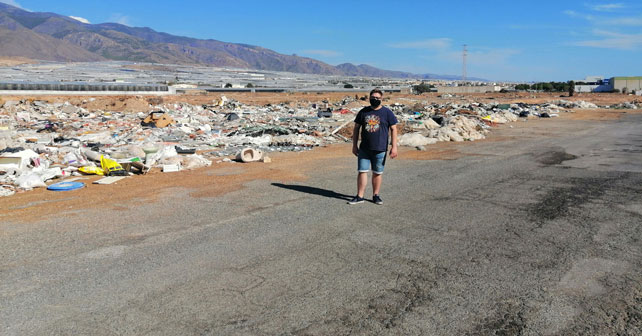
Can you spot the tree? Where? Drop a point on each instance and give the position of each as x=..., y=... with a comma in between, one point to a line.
x=348, y=86
x=423, y=87
x=571, y=88
x=228, y=85
x=249, y=85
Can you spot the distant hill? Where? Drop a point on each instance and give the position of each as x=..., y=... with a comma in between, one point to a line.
x=49, y=36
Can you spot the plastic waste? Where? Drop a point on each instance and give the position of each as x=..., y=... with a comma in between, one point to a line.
x=63, y=186
x=249, y=155
x=111, y=167
x=29, y=181
x=195, y=161
x=6, y=192
x=415, y=139
x=91, y=170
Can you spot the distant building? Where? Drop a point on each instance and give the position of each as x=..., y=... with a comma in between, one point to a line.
x=629, y=84
x=599, y=84
x=468, y=89
x=592, y=84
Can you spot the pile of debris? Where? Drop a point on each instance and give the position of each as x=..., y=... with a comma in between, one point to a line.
x=431, y=123
x=41, y=141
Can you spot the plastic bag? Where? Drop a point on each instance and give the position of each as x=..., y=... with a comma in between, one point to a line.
x=74, y=158
x=92, y=170
x=51, y=173
x=30, y=180
x=163, y=153
x=195, y=161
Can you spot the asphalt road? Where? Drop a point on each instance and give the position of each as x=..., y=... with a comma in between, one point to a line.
x=536, y=234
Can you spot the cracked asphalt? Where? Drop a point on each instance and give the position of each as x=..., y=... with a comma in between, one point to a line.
x=536, y=233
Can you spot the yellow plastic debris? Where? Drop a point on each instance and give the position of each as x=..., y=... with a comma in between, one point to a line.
x=111, y=167
x=92, y=170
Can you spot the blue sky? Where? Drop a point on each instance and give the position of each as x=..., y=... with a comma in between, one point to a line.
x=507, y=40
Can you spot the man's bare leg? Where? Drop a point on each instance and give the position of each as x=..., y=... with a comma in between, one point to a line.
x=376, y=183
x=362, y=181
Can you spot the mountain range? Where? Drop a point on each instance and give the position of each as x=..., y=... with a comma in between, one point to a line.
x=54, y=37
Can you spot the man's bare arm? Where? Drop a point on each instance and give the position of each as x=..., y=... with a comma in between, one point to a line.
x=393, y=135
x=355, y=139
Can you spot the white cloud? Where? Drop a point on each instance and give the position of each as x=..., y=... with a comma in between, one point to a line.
x=12, y=3
x=492, y=56
x=575, y=14
x=120, y=18
x=612, y=40
x=606, y=7
x=78, y=18
x=15, y=4
x=624, y=21
x=431, y=44
x=322, y=52
x=605, y=20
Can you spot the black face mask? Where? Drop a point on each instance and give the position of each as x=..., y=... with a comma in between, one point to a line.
x=375, y=102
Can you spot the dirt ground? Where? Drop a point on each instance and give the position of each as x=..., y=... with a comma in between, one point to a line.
x=13, y=61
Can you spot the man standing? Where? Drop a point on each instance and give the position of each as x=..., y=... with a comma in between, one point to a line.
x=374, y=122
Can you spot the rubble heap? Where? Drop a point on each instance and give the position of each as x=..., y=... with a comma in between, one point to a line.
x=41, y=141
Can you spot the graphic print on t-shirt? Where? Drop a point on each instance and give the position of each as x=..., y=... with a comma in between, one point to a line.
x=372, y=123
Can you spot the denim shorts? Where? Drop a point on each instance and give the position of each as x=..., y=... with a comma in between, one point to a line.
x=369, y=158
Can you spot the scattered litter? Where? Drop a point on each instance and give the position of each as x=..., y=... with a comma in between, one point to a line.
x=6, y=191
x=29, y=181
x=109, y=179
x=171, y=168
x=249, y=155
x=111, y=167
x=158, y=119
x=40, y=141
x=415, y=140
x=64, y=186
x=92, y=170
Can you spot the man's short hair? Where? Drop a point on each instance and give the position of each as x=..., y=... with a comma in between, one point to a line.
x=376, y=90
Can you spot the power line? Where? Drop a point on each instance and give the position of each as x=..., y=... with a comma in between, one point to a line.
x=464, y=53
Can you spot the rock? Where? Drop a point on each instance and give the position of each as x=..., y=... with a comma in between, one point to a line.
x=231, y=117
x=415, y=139
x=70, y=109
x=454, y=136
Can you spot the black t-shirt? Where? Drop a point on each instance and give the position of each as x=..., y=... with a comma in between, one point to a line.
x=374, y=127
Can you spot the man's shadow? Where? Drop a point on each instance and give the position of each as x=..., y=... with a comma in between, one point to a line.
x=313, y=191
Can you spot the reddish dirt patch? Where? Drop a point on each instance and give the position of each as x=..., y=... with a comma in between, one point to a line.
x=212, y=181
x=13, y=61
x=598, y=114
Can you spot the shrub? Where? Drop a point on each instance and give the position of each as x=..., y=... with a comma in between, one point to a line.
x=421, y=88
